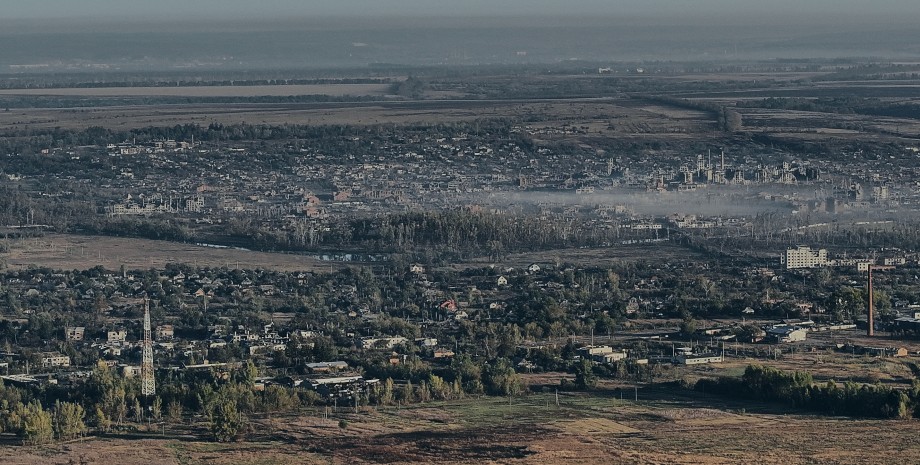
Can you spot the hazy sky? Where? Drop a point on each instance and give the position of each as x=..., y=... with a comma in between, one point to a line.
x=241, y=9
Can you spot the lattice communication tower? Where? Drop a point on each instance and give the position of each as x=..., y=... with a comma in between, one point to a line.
x=148, y=385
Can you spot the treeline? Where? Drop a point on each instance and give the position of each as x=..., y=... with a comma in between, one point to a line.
x=799, y=389
x=16, y=138
x=157, y=229
x=47, y=101
x=453, y=234
x=476, y=232
x=34, y=84
x=874, y=71
x=844, y=105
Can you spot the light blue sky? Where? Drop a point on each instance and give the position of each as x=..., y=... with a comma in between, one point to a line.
x=225, y=9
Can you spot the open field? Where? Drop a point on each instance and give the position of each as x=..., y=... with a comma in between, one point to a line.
x=207, y=91
x=666, y=426
x=69, y=252
x=600, y=117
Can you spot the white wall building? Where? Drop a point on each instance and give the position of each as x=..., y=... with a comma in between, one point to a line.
x=804, y=257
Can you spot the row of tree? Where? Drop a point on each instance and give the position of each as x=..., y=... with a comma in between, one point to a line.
x=799, y=389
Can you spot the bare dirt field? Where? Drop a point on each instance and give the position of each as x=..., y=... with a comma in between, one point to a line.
x=813, y=125
x=662, y=427
x=208, y=91
x=68, y=252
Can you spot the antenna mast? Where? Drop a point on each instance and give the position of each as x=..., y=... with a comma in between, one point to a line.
x=148, y=385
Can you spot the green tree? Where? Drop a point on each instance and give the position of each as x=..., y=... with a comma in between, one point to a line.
x=386, y=394
x=585, y=378
x=247, y=374
x=68, y=420
x=688, y=326
x=423, y=392
x=101, y=420
x=468, y=372
x=407, y=393
x=156, y=409
x=138, y=410
x=37, y=425
x=277, y=399
x=440, y=390
x=174, y=412
x=501, y=379
x=225, y=421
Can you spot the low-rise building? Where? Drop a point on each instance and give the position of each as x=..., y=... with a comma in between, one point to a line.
x=784, y=334
x=54, y=359
x=426, y=342
x=443, y=353
x=697, y=359
x=610, y=357
x=131, y=371
x=74, y=333
x=591, y=351
x=382, y=342
x=117, y=335
x=164, y=332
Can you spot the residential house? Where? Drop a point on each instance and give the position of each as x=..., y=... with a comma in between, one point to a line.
x=74, y=333
x=382, y=342
x=117, y=335
x=131, y=371
x=164, y=332
x=426, y=342
x=54, y=359
x=443, y=353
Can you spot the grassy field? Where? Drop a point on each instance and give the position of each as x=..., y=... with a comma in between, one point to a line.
x=663, y=427
x=69, y=252
x=601, y=117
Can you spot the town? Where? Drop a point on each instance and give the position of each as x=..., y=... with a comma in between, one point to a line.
x=477, y=263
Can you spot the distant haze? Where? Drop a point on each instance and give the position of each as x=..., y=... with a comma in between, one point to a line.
x=41, y=36
x=249, y=9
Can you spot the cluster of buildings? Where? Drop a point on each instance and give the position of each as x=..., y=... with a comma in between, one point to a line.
x=804, y=257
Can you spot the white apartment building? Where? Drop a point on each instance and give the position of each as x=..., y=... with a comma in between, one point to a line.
x=804, y=257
